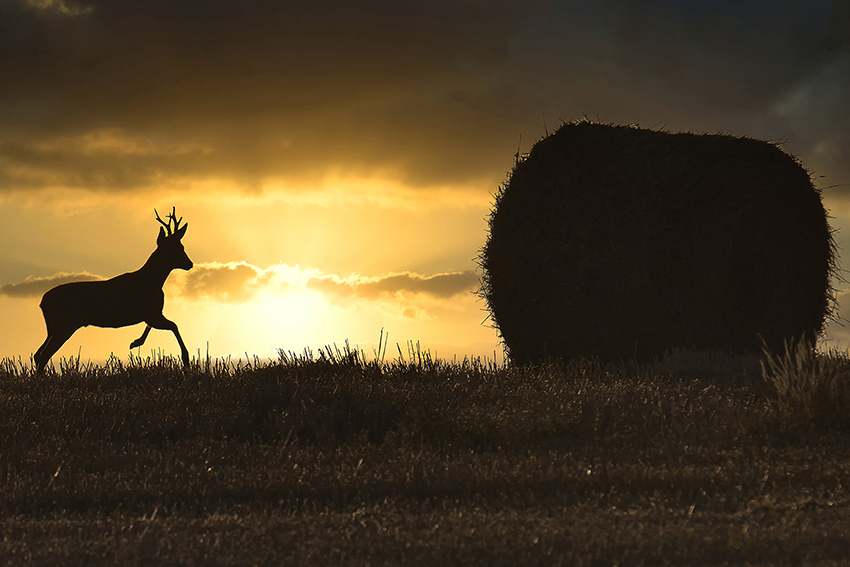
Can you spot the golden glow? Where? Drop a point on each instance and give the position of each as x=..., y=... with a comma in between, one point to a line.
x=254, y=256
x=289, y=139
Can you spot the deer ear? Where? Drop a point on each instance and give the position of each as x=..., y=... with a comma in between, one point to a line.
x=181, y=231
x=161, y=238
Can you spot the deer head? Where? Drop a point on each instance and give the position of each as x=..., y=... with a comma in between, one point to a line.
x=169, y=241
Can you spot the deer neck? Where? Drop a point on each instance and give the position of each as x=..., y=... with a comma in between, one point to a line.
x=155, y=269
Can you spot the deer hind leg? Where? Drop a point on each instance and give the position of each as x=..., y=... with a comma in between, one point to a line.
x=54, y=341
x=141, y=340
x=161, y=322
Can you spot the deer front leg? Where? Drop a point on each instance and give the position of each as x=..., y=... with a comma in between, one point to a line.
x=183, y=350
x=141, y=340
x=161, y=322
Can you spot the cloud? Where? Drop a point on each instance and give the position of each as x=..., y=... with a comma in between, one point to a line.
x=102, y=160
x=239, y=282
x=59, y=7
x=274, y=95
x=236, y=282
x=678, y=65
x=405, y=284
x=838, y=33
x=276, y=89
x=232, y=282
x=36, y=287
x=403, y=295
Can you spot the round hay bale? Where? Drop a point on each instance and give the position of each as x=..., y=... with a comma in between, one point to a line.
x=620, y=242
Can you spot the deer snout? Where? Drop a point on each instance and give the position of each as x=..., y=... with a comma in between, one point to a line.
x=182, y=261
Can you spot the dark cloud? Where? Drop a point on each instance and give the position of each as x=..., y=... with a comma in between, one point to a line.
x=281, y=88
x=432, y=93
x=237, y=282
x=838, y=33
x=234, y=282
x=35, y=287
x=440, y=286
x=72, y=163
x=757, y=68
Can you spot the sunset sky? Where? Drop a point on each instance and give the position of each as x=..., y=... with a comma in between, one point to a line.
x=335, y=160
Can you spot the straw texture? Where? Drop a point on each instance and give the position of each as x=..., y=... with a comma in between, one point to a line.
x=619, y=242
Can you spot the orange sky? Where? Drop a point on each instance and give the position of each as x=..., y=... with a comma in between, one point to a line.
x=336, y=161
x=268, y=274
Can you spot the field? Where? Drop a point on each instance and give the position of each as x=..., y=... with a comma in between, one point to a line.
x=328, y=459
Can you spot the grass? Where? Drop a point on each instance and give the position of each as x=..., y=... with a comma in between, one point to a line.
x=332, y=460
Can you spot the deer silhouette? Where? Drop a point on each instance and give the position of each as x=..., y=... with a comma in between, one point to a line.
x=124, y=300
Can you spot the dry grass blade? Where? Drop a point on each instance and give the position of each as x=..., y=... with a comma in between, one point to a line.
x=811, y=387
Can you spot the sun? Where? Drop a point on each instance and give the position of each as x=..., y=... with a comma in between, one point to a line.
x=293, y=316
x=289, y=320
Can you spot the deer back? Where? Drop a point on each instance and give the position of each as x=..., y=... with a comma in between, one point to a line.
x=118, y=302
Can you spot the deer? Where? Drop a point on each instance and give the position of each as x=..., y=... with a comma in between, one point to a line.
x=124, y=300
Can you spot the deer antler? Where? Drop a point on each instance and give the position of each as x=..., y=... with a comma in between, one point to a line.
x=167, y=225
x=172, y=216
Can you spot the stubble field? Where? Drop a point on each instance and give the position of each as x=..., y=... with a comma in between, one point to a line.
x=331, y=460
